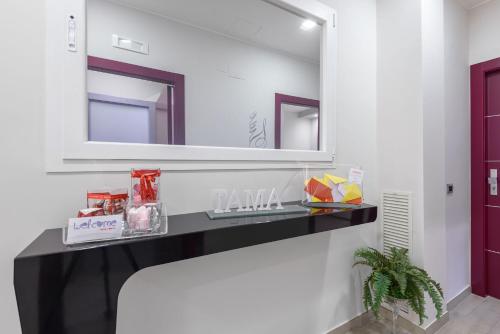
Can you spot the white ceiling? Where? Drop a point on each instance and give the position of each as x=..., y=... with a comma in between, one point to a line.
x=253, y=21
x=469, y=4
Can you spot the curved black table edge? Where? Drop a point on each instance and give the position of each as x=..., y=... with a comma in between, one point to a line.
x=74, y=290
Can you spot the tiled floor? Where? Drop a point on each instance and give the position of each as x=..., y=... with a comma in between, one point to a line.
x=474, y=315
x=376, y=327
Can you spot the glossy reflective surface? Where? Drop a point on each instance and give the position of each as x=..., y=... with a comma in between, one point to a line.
x=74, y=290
x=234, y=54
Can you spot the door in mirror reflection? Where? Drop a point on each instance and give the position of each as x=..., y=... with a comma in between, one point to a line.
x=202, y=73
x=297, y=125
x=134, y=104
x=299, y=128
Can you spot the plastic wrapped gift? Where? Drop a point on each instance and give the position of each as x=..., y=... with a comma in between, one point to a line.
x=91, y=212
x=111, y=201
x=145, y=185
x=322, y=187
x=144, y=217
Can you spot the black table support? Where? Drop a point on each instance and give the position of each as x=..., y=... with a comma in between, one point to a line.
x=74, y=290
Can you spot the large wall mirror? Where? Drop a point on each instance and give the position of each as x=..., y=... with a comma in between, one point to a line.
x=233, y=56
x=192, y=79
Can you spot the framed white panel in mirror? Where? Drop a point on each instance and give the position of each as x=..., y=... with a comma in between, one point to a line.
x=189, y=84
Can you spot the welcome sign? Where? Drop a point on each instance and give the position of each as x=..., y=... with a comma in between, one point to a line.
x=94, y=228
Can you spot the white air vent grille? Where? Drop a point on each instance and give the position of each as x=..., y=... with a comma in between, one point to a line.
x=396, y=222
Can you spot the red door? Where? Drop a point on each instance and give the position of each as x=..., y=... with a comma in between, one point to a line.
x=485, y=168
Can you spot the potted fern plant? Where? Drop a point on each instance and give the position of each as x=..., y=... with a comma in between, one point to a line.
x=395, y=280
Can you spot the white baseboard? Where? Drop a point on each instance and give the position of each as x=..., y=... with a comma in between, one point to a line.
x=349, y=325
x=436, y=325
x=453, y=302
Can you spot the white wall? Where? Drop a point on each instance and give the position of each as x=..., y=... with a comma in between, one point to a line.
x=226, y=80
x=409, y=101
x=303, y=285
x=433, y=136
x=422, y=110
x=457, y=158
x=399, y=105
x=484, y=25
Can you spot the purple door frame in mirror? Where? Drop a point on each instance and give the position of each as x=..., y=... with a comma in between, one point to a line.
x=176, y=114
x=279, y=100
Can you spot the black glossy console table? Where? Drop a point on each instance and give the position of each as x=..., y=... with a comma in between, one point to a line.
x=74, y=290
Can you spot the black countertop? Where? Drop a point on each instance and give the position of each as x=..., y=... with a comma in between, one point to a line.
x=54, y=283
x=50, y=241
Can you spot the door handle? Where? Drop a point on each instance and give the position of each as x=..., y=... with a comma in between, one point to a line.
x=493, y=182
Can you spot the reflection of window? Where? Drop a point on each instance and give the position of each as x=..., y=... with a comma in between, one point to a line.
x=134, y=104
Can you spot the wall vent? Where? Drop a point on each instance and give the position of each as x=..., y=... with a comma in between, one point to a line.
x=396, y=222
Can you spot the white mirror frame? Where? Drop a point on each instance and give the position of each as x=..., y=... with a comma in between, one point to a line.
x=67, y=148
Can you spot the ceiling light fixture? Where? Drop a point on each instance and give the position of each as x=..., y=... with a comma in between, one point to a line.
x=308, y=25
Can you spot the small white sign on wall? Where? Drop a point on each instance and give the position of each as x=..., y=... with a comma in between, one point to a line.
x=94, y=228
x=356, y=176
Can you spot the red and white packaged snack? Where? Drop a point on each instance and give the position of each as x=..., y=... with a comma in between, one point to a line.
x=145, y=185
x=92, y=212
x=112, y=202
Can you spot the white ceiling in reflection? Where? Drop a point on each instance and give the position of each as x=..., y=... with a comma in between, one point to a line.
x=294, y=108
x=252, y=21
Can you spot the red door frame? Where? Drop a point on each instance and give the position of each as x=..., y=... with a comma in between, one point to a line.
x=176, y=111
x=478, y=74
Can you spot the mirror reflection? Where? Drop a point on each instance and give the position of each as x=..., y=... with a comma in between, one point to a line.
x=223, y=73
x=299, y=128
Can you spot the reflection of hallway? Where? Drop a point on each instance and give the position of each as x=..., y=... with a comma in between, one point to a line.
x=474, y=315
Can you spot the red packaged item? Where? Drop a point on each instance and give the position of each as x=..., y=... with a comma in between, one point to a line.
x=92, y=212
x=145, y=185
x=112, y=202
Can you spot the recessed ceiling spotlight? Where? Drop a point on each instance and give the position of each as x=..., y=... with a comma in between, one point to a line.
x=308, y=25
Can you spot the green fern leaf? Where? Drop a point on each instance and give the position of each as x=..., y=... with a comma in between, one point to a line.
x=381, y=284
x=362, y=262
x=367, y=295
x=401, y=280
